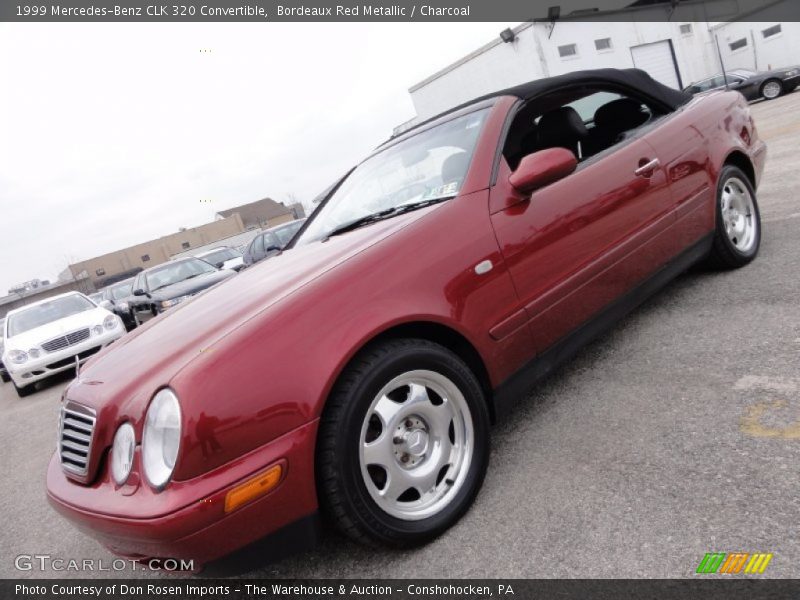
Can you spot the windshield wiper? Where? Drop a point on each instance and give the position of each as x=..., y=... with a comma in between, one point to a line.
x=383, y=214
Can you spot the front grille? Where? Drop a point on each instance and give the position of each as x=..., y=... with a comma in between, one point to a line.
x=71, y=360
x=65, y=341
x=75, y=434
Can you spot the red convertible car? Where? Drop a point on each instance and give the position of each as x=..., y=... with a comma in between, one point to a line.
x=356, y=374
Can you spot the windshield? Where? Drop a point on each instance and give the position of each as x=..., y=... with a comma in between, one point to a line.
x=121, y=290
x=47, y=312
x=218, y=256
x=285, y=234
x=428, y=166
x=177, y=272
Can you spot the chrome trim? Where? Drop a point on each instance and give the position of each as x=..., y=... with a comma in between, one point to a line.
x=76, y=426
x=65, y=341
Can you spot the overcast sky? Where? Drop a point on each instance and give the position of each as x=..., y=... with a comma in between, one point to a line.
x=112, y=134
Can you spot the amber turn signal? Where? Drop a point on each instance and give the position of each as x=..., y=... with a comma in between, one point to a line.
x=253, y=488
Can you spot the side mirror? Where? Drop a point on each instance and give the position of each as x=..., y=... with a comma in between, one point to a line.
x=542, y=168
x=105, y=304
x=139, y=292
x=219, y=264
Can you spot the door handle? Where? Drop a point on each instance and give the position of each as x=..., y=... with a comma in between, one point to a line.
x=647, y=169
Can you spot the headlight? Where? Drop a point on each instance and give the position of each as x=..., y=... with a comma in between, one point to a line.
x=161, y=439
x=34, y=353
x=792, y=72
x=97, y=329
x=18, y=356
x=122, y=453
x=173, y=302
x=110, y=322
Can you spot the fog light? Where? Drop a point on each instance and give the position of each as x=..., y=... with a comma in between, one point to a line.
x=253, y=488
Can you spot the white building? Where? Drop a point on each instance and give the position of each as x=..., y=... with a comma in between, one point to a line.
x=674, y=52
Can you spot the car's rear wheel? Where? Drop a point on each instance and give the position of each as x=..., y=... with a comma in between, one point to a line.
x=771, y=88
x=5, y=377
x=25, y=390
x=403, y=444
x=738, y=223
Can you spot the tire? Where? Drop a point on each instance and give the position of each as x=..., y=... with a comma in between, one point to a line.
x=433, y=391
x=5, y=377
x=737, y=234
x=771, y=89
x=25, y=390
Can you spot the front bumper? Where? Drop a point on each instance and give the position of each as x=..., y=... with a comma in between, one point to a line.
x=187, y=520
x=50, y=363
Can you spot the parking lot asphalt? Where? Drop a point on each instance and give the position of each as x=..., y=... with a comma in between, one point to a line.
x=676, y=434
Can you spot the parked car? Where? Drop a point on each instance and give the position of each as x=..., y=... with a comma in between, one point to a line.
x=119, y=297
x=223, y=257
x=161, y=287
x=4, y=377
x=358, y=373
x=98, y=299
x=54, y=335
x=271, y=241
x=751, y=84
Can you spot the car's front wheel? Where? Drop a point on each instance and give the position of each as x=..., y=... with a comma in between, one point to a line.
x=403, y=444
x=771, y=88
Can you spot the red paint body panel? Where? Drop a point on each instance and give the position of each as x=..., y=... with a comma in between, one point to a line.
x=253, y=360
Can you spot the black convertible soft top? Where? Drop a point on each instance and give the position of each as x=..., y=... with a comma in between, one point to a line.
x=632, y=78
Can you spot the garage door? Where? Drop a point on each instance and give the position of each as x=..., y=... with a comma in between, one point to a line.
x=658, y=60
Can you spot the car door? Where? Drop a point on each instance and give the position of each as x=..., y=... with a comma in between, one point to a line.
x=684, y=154
x=577, y=245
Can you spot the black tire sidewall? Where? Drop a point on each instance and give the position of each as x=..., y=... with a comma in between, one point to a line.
x=381, y=525
x=727, y=173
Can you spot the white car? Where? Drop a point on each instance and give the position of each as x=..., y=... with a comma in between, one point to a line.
x=54, y=335
x=223, y=257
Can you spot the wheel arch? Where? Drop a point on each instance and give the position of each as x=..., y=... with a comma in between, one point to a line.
x=739, y=159
x=437, y=333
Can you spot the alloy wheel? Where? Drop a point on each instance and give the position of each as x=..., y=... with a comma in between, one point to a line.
x=416, y=445
x=738, y=214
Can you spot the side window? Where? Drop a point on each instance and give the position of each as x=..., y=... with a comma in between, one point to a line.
x=258, y=245
x=270, y=240
x=585, y=121
x=716, y=82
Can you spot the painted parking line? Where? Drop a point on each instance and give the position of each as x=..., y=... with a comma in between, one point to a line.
x=753, y=420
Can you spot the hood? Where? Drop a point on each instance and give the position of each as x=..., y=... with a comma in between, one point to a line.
x=35, y=337
x=191, y=286
x=233, y=262
x=779, y=71
x=139, y=363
